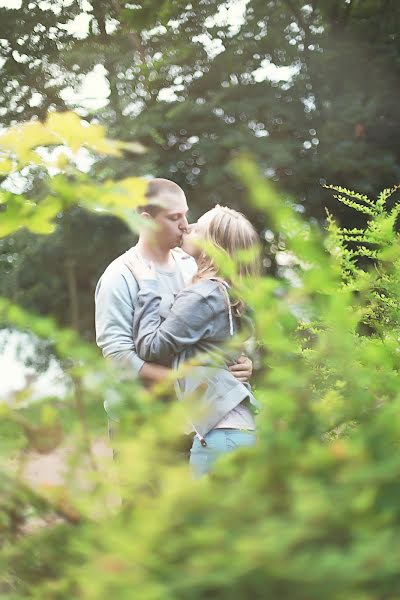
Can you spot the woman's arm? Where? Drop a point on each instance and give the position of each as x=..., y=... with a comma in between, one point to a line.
x=190, y=320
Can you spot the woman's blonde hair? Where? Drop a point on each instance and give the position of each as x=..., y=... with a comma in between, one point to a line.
x=230, y=232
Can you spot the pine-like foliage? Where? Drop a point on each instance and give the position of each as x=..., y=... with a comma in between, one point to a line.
x=371, y=253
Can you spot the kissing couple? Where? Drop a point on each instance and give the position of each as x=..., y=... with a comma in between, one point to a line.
x=164, y=302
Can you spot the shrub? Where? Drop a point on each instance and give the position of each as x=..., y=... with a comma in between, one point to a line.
x=311, y=512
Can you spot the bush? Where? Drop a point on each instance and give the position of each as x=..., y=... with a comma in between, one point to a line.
x=311, y=512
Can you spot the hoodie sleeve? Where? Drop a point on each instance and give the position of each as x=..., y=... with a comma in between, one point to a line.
x=115, y=307
x=191, y=319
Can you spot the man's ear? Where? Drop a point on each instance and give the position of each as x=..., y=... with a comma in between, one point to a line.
x=145, y=215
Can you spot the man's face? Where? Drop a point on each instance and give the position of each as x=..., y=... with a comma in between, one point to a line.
x=171, y=222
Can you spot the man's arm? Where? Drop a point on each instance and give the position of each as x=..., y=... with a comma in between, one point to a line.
x=151, y=373
x=115, y=298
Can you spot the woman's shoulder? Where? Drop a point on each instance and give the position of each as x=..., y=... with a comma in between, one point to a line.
x=209, y=291
x=206, y=287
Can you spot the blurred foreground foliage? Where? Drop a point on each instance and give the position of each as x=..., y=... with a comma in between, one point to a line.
x=311, y=512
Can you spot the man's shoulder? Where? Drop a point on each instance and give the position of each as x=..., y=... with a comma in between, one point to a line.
x=117, y=270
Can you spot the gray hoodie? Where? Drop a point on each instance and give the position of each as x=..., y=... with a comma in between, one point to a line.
x=115, y=300
x=198, y=324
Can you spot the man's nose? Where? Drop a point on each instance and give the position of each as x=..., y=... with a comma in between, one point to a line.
x=184, y=225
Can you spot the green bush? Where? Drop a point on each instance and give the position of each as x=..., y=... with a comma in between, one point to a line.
x=311, y=512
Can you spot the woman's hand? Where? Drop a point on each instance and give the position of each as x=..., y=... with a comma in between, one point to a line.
x=242, y=369
x=140, y=269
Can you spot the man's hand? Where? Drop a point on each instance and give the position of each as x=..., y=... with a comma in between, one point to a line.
x=242, y=369
x=151, y=373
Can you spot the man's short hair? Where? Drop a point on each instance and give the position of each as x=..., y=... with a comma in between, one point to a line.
x=157, y=191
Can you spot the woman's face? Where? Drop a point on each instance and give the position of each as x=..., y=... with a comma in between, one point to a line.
x=196, y=233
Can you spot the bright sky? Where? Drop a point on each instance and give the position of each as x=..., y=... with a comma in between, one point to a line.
x=94, y=90
x=10, y=3
x=14, y=374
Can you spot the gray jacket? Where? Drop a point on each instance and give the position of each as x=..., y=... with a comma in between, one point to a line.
x=198, y=325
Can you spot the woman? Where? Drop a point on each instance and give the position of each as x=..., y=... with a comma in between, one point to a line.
x=202, y=318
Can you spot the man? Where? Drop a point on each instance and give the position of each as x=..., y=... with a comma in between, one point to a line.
x=117, y=289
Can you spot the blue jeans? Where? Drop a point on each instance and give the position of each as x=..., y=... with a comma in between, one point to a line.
x=219, y=442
